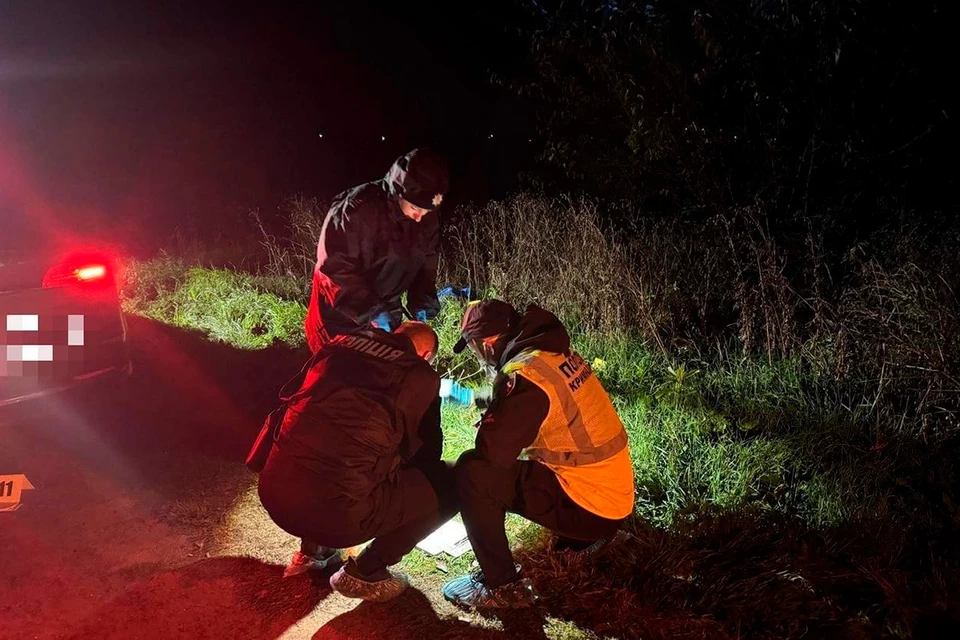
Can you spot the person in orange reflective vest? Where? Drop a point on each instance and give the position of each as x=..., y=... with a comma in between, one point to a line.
x=550, y=447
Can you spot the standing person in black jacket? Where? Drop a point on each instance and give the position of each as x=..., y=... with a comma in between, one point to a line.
x=358, y=458
x=379, y=240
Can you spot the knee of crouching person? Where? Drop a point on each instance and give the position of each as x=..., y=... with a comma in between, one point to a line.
x=469, y=472
x=443, y=480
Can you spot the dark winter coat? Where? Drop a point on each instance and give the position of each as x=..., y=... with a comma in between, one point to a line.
x=518, y=407
x=358, y=414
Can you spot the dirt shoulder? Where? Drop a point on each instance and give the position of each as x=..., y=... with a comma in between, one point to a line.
x=145, y=524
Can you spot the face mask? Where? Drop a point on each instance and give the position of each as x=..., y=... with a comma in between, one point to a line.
x=482, y=353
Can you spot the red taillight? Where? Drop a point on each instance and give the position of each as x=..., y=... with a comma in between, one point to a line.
x=91, y=272
x=71, y=272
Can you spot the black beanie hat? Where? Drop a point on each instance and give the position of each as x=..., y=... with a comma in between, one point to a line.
x=420, y=177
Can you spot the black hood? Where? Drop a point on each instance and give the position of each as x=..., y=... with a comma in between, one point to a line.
x=538, y=329
x=420, y=177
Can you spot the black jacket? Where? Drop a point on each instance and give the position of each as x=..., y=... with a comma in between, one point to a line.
x=518, y=407
x=359, y=412
x=369, y=254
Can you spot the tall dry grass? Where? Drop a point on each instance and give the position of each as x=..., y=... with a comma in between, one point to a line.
x=292, y=253
x=882, y=325
x=554, y=252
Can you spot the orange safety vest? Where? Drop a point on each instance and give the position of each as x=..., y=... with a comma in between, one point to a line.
x=582, y=438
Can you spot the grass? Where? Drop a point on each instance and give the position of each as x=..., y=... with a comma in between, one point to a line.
x=733, y=435
x=767, y=505
x=242, y=310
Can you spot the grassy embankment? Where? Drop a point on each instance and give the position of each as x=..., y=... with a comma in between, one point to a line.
x=771, y=499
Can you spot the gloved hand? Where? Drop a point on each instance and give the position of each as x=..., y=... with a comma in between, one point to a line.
x=384, y=321
x=461, y=293
x=425, y=314
x=453, y=391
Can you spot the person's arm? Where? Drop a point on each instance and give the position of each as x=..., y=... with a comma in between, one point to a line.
x=418, y=408
x=513, y=420
x=483, y=397
x=340, y=257
x=422, y=295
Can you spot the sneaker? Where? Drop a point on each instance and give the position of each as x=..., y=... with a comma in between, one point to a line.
x=469, y=592
x=304, y=562
x=381, y=588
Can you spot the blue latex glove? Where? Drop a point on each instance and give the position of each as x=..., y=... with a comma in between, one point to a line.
x=421, y=316
x=384, y=321
x=453, y=391
x=454, y=292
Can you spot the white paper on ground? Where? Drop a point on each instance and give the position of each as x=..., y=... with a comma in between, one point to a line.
x=451, y=538
x=459, y=548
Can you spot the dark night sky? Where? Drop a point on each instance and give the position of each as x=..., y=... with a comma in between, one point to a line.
x=148, y=114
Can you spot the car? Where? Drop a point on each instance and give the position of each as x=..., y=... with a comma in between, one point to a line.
x=61, y=323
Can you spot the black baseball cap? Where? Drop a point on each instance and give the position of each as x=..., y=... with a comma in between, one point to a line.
x=485, y=318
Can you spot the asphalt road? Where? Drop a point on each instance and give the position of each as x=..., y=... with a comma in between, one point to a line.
x=144, y=522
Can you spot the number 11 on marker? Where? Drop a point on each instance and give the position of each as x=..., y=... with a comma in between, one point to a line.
x=11, y=488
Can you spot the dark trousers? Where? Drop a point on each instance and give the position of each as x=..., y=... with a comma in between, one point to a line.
x=396, y=515
x=530, y=489
x=409, y=511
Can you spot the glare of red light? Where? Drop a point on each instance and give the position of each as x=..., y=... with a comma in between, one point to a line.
x=91, y=272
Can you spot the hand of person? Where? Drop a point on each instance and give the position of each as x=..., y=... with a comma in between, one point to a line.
x=460, y=293
x=425, y=314
x=453, y=391
x=384, y=321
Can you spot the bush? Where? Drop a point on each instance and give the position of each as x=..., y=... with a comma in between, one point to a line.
x=812, y=108
x=895, y=337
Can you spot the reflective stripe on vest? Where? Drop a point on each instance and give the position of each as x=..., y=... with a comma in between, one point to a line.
x=581, y=458
x=558, y=391
x=578, y=430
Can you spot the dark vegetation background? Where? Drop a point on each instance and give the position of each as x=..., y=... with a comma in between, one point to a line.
x=763, y=182
x=769, y=175
x=745, y=211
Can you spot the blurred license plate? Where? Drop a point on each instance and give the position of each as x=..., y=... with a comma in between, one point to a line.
x=33, y=345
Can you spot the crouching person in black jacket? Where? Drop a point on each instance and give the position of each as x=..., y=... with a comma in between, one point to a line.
x=358, y=458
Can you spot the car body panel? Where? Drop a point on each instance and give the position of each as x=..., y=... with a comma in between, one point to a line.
x=57, y=333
